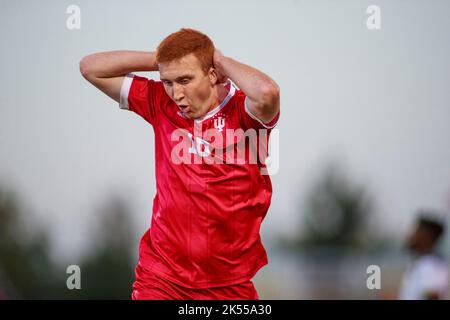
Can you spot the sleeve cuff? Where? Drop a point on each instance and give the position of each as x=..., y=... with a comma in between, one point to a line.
x=269, y=125
x=125, y=90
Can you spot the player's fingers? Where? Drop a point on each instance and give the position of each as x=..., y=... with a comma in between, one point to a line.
x=221, y=78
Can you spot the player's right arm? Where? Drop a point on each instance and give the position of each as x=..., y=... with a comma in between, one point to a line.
x=106, y=70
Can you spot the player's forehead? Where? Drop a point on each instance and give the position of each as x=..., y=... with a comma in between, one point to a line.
x=187, y=65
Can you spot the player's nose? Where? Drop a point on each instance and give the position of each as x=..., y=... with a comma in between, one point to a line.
x=178, y=94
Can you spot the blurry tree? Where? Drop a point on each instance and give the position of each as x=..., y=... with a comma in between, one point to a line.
x=333, y=233
x=107, y=272
x=336, y=213
x=27, y=270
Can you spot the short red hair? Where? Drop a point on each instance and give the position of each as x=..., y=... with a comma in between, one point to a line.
x=183, y=42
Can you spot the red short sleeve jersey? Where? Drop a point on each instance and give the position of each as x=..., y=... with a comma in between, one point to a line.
x=206, y=214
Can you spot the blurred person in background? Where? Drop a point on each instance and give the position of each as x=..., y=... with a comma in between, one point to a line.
x=427, y=277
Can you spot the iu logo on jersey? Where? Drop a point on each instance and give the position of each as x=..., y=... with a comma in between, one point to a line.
x=219, y=123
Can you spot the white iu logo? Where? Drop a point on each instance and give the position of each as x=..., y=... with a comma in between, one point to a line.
x=219, y=123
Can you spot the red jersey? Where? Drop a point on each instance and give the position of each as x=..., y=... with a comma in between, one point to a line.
x=206, y=217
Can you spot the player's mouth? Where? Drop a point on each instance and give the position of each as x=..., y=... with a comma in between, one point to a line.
x=184, y=108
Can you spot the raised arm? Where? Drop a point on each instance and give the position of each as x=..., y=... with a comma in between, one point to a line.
x=106, y=70
x=263, y=94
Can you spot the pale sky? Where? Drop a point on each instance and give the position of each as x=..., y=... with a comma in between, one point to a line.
x=377, y=100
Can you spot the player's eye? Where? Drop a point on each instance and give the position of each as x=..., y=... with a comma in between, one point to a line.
x=167, y=83
x=184, y=81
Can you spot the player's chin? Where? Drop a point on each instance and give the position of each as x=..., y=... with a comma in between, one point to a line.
x=192, y=115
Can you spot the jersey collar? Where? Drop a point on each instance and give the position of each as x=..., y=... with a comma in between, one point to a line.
x=230, y=94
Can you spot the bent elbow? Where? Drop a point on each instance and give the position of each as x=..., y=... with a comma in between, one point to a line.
x=85, y=67
x=270, y=94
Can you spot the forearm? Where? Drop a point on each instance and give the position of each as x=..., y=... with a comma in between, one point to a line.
x=255, y=84
x=106, y=70
x=117, y=63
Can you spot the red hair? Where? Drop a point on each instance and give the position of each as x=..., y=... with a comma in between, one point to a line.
x=184, y=42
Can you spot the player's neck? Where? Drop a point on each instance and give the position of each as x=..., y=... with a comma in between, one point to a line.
x=217, y=96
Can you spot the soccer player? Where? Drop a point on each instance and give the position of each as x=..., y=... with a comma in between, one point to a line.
x=203, y=241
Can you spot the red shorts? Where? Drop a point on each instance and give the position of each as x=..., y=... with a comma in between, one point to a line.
x=149, y=286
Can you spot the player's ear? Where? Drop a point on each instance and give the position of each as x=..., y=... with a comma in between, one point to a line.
x=213, y=78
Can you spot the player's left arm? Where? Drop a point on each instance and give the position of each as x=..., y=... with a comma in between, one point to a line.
x=263, y=93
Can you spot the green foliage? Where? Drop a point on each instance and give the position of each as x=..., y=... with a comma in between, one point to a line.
x=335, y=214
x=27, y=270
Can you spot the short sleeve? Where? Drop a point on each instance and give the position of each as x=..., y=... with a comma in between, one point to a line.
x=252, y=121
x=142, y=96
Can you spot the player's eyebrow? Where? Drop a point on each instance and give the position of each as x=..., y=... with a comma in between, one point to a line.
x=184, y=76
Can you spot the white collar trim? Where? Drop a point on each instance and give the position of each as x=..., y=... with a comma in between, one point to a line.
x=230, y=94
